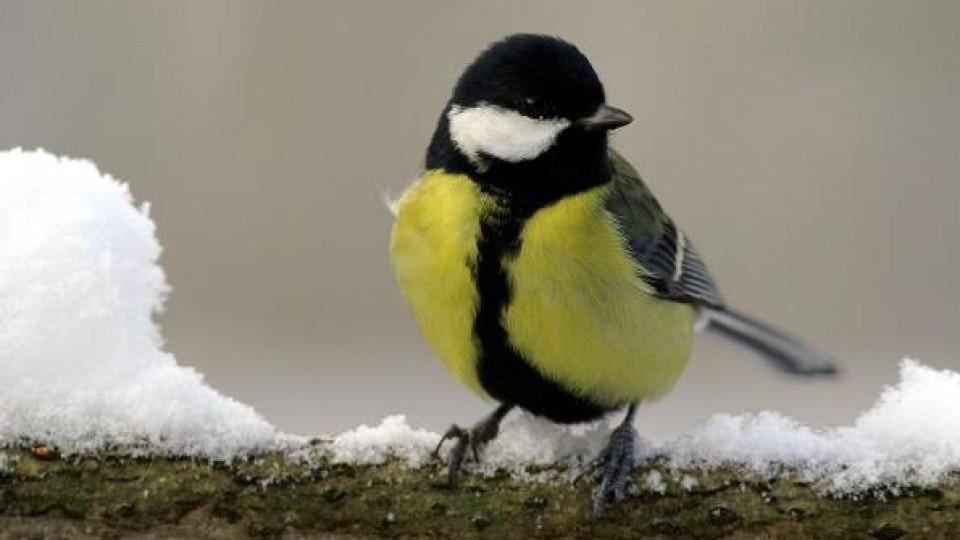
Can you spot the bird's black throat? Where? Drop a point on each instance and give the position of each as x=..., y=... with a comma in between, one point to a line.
x=521, y=189
x=503, y=372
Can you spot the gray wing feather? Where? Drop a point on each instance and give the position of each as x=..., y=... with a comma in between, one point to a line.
x=672, y=266
x=670, y=262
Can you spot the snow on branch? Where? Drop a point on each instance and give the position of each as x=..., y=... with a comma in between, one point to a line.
x=83, y=369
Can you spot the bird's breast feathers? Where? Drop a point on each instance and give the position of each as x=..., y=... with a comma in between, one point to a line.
x=578, y=310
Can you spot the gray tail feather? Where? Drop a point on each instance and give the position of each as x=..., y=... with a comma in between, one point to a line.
x=781, y=350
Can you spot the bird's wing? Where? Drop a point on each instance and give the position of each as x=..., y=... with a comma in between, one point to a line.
x=670, y=263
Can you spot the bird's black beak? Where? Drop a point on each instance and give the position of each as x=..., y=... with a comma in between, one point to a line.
x=605, y=118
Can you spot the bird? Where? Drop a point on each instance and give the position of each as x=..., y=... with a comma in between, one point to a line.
x=542, y=270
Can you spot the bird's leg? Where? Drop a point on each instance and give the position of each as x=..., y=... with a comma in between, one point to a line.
x=618, y=460
x=475, y=438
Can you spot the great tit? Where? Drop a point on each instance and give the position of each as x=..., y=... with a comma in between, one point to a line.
x=539, y=266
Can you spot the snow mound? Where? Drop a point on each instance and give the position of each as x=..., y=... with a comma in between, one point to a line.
x=911, y=435
x=394, y=437
x=525, y=440
x=79, y=284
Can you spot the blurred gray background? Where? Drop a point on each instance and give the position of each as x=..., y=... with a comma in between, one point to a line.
x=811, y=149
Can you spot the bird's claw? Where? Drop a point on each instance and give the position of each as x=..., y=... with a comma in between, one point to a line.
x=464, y=439
x=592, y=466
x=453, y=432
x=618, y=460
x=473, y=438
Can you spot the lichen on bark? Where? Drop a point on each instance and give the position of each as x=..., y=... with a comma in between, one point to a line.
x=115, y=494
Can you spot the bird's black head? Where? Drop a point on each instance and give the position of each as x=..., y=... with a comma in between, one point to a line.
x=537, y=76
x=529, y=114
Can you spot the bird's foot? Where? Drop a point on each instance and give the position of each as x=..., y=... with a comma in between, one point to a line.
x=473, y=439
x=617, y=460
x=457, y=453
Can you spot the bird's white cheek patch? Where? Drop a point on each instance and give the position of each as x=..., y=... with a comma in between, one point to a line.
x=501, y=133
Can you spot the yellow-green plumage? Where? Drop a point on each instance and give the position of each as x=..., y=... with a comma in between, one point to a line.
x=540, y=267
x=579, y=311
x=433, y=244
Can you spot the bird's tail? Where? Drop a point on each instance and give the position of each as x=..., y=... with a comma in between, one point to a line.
x=781, y=350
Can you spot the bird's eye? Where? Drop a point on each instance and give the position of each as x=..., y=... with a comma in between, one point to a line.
x=534, y=108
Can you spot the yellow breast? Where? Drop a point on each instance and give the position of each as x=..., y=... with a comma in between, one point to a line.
x=433, y=246
x=578, y=312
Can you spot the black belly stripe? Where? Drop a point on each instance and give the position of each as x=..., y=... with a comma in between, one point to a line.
x=502, y=371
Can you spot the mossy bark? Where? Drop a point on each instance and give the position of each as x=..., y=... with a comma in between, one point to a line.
x=114, y=495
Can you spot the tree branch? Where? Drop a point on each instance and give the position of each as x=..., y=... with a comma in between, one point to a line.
x=113, y=494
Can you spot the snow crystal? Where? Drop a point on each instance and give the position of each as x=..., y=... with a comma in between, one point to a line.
x=910, y=436
x=524, y=441
x=79, y=284
x=528, y=440
x=688, y=482
x=528, y=447
x=392, y=438
x=654, y=482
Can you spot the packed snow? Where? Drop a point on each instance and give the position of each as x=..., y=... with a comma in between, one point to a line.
x=81, y=359
x=654, y=482
x=394, y=437
x=911, y=435
x=82, y=365
x=526, y=440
